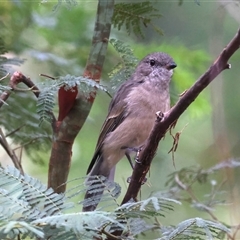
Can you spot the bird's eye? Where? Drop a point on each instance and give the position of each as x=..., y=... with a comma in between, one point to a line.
x=152, y=62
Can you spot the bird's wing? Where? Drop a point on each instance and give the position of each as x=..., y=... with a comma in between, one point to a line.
x=110, y=124
x=117, y=113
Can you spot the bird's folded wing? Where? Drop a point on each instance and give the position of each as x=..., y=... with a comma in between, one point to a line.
x=111, y=123
x=117, y=113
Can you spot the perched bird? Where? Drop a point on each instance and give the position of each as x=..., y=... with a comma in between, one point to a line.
x=132, y=115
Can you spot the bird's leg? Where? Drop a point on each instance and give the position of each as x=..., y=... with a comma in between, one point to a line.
x=129, y=159
x=137, y=155
x=137, y=150
x=132, y=149
x=127, y=154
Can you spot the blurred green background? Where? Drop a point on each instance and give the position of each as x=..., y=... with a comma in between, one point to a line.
x=57, y=42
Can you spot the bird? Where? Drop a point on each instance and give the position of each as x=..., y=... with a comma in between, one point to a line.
x=131, y=116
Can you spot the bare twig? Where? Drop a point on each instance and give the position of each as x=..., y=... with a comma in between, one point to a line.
x=15, y=130
x=10, y=152
x=175, y=112
x=15, y=79
x=47, y=76
x=4, y=77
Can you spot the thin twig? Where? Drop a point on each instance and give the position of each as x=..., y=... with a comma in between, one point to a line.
x=3, y=78
x=15, y=130
x=15, y=79
x=10, y=152
x=47, y=76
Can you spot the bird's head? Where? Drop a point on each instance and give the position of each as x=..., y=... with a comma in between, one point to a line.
x=157, y=63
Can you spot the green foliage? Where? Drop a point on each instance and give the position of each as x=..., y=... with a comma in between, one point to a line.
x=45, y=104
x=183, y=183
x=24, y=199
x=134, y=16
x=19, y=121
x=68, y=3
x=123, y=70
x=21, y=124
x=39, y=209
x=5, y=62
x=50, y=37
x=195, y=228
x=29, y=209
x=48, y=91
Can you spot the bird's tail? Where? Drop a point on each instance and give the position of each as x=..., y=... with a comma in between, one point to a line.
x=95, y=189
x=96, y=184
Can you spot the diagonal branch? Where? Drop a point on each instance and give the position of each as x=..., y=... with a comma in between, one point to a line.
x=160, y=128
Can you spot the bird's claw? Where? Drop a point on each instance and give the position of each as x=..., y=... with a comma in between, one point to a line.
x=160, y=116
x=137, y=155
x=133, y=149
x=130, y=178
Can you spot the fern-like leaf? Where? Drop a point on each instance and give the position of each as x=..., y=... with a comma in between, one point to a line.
x=21, y=123
x=134, y=16
x=46, y=99
x=11, y=229
x=125, y=68
x=29, y=209
x=24, y=199
x=152, y=206
x=194, y=228
x=29, y=194
x=134, y=214
x=85, y=225
x=45, y=104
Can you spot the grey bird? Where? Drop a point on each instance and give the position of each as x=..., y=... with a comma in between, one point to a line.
x=132, y=115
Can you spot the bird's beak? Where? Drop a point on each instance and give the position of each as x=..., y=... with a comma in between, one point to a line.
x=171, y=65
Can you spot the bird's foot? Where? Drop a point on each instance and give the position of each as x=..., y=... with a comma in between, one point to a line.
x=137, y=155
x=132, y=149
x=137, y=150
x=129, y=179
x=160, y=116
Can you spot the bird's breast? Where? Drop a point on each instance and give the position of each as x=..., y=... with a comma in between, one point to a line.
x=147, y=99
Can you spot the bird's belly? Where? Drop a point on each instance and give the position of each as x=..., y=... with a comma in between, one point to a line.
x=132, y=133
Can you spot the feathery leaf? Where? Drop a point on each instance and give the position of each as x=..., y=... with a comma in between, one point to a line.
x=123, y=70
x=135, y=16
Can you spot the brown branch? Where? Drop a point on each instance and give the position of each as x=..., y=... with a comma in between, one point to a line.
x=15, y=79
x=160, y=128
x=66, y=131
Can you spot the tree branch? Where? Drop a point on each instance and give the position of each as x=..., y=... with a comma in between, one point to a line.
x=160, y=128
x=66, y=131
x=15, y=79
